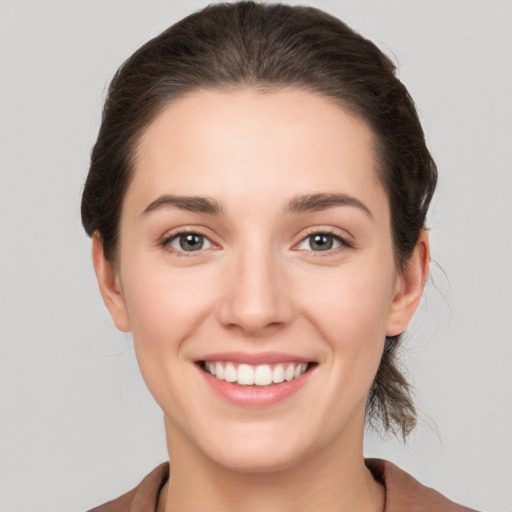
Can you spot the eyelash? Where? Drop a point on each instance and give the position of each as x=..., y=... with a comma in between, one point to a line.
x=344, y=244
x=165, y=243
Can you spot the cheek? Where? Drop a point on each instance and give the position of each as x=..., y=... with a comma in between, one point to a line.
x=165, y=308
x=160, y=300
x=351, y=302
x=350, y=308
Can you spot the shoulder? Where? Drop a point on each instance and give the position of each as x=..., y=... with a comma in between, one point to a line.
x=142, y=498
x=405, y=493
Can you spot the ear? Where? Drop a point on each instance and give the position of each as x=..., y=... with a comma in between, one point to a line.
x=109, y=283
x=409, y=287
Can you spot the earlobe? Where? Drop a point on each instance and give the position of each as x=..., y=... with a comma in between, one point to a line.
x=410, y=285
x=108, y=281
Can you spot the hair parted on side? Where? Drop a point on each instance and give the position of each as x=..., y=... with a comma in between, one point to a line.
x=266, y=47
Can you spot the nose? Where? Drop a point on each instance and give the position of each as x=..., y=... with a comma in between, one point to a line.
x=256, y=298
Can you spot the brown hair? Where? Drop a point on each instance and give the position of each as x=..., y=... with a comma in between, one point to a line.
x=268, y=46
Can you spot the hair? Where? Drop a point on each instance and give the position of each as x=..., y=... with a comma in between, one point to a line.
x=230, y=46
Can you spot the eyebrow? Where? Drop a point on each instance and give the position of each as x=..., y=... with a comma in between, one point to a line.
x=189, y=203
x=299, y=204
x=323, y=201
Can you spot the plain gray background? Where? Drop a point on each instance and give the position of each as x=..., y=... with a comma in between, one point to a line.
x=77, y=425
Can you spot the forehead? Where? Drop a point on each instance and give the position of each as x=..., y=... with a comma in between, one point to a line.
x=244, y=143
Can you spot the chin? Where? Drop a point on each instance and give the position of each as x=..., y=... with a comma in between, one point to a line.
x=257, y=453
x=257, y=461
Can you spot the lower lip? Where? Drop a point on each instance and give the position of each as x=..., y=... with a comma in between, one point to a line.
x=255, y=396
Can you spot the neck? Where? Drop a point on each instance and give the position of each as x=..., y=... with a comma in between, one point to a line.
x=335, y=478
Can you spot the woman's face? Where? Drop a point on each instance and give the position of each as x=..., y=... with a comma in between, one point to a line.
x=255, y=243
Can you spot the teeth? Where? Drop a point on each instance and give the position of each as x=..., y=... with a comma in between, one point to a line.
x=260, y=375
x=299, y=370
x=245, y=375
x=230, y=373
x=278, y=374
x=288, y=373
x=219, y=371
x=263, y=375
x=210, y=367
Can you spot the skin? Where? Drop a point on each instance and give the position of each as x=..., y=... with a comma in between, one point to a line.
x=259, y=285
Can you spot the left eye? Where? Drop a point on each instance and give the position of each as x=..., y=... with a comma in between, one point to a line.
x=320, y=242
x=189, y=242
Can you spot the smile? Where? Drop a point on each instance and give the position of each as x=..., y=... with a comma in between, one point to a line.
x=254, y=375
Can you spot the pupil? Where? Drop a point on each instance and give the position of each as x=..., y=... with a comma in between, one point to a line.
x=191, y=242
x=322, y=242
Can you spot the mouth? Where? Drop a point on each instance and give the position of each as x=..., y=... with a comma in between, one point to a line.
x=258, y=375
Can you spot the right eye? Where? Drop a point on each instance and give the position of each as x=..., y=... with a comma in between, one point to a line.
x=188, y=242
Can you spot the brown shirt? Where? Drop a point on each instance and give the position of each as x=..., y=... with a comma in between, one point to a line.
x=403, y=492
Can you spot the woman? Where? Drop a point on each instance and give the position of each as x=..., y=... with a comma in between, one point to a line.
x=256, y=201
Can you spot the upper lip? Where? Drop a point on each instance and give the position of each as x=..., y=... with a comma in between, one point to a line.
x=254, y=358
